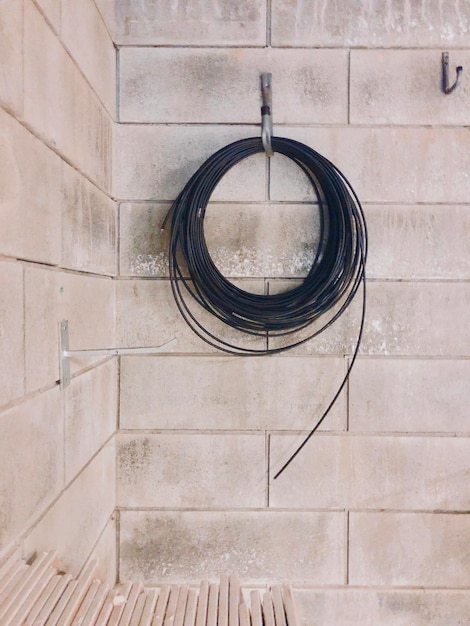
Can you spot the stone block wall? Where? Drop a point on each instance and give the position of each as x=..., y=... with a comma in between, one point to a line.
x=370, y=521
x=58, y=243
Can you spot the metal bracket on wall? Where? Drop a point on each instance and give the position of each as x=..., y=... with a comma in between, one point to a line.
x=446, y=88
x=267, y=113
x=65, y=354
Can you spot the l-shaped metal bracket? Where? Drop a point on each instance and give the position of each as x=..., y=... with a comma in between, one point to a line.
x=65, y=354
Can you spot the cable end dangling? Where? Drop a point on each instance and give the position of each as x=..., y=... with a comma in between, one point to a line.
x=266, y=113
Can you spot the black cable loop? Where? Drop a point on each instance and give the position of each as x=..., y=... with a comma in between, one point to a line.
x=337, y=270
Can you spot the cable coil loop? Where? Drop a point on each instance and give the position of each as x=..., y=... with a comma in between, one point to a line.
x=334, y=277
x=337, y=270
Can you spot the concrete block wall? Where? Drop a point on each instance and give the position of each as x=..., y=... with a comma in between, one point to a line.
x=371, y=520
x=58, y=246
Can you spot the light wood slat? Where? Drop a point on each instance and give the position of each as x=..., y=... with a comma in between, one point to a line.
x=223, y=601
x=149, y=608
x=279, y=612
x=191, y=606
x=53, y=618
x=118, y=609
x=289, y=605
x=138, y=609
x=86, y=603
x=13, y=591
x=73, y=605
x=234, y=600
x=45, y=595
x=95, y=607
x=171, y=607
x=21, y=612
x=244, y=615
x=256, y=612
x=50, y=602
x=20, y=594
x=130, y=604
x=162, y=603
x=181, y=606
x=203, y=600
x=10, y=582
x=268, y=610
x=212, y=605
x=8, y=563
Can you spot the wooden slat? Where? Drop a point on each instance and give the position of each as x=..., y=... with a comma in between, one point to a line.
x=212, y=605
x=20, y=612
x=181, y=606
x=223, y=601
x=234, y=600
x=19, y=595
x=191, y=606
x=38, y=618
x=53, y=618
x=162, y=603
x=130, y=604
x=201, y=613
x=92, y=614
x=289, y=605
x=268, y=610
x=10, y=583
x=83, y=583
x=244, y=615
x=278, y=604
x=256, y=612
x=138, y=609
x=149, y=608
x=42, y=599
x=7, y=564
x=86, y=603
x=171, y=607
x=118, y=607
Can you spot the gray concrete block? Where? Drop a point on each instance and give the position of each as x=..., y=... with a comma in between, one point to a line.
x=30, y=178
x=427, y=395
x=224, y=85
x=372, y=472
x=89, y=225
x=90, y=415
x=74, y=523
x=31, y=462
x=191, y=471
x=156, y=162
x=59, y=104
x=147, y=315
x=217, y=23
x=244, y=240
x=271, y=393
x=11, y=52
x=404, y=87
x=12, y=345
x=400, y=165
x=190, y=546
x=370, y=24
x=388, y=607
x=85, y=35
x=413, y=242
x=409, y=549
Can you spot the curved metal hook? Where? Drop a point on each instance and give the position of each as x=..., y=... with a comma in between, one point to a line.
x=445, y=75
x=266, y=114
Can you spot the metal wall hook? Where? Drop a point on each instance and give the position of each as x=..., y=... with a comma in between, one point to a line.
x=445, y=75
x=266, y=113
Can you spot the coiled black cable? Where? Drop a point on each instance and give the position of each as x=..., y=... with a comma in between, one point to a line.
x=336, y=273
